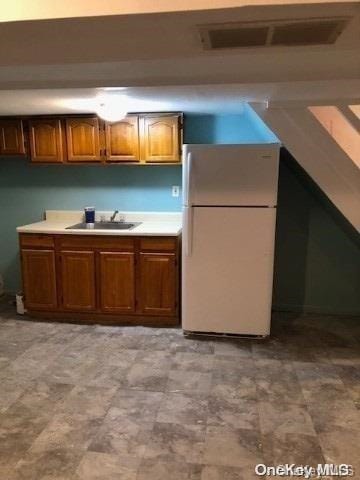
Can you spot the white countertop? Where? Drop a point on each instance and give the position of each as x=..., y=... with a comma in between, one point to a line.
x=152, y=223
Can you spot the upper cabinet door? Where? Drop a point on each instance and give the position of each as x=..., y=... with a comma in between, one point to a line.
x=46, y=141
x=83, y=139
x=161, y=139
x=122, y=140
x=11, y=137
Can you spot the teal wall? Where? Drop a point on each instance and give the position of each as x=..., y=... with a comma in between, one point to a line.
x=245, y=128
x=317, y=257
x=317, y=263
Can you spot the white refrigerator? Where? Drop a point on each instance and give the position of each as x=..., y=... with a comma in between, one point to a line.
x=229, y=212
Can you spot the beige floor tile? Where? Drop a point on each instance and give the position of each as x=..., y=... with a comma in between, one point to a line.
x=183, y=408
x=189, y=381
x=103, y=466
x=280, y=418
x=232, y=447
x=177, y=443
x=155, y=470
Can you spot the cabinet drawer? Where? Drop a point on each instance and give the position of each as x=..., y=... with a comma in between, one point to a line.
x=36, y=240
x=158, y=244
x=96, y=242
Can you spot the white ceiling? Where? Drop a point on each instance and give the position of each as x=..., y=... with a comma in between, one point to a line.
x=155, y=36
x=207, y=99
x=43, y=9
x=165, y=49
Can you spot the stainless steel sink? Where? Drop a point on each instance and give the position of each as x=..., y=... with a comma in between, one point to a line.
x=104, y=226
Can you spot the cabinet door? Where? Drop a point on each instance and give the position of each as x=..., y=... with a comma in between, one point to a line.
x=83, y=139
x=39, y=279
x=160, y=140
x=46, y=142
x=11, y=137
x=78, y=281
x=157, y=278
x=117, y=282
x=122, y=140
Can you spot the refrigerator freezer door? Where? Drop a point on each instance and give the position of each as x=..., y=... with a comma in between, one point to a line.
x=227, y=279
x=230, y=175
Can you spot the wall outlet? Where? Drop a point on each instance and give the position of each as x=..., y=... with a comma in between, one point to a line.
x=175, y=190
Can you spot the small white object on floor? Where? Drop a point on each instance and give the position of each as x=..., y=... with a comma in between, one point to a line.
x=20, y=309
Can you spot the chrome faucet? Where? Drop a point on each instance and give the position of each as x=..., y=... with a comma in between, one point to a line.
x=112, y=218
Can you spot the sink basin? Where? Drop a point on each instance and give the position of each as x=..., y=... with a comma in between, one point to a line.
x=105, y=226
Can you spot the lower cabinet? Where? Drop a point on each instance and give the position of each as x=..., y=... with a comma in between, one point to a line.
x=39, y=279
x=157, y=283
x=107, y=278
x=117, y=282
x=78, y=281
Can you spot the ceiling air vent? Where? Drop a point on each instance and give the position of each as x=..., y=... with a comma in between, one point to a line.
x=317, y=32
x=312, y=31
x=238, y=37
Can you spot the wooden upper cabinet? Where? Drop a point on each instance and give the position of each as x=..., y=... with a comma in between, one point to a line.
x=161, y=139
x=122, y=140
x=117, y=282
x=46, y=141
x=157, y=277
x=83, y=139
x=138, y=138
x=78, y=280
x=39, y=279
x=12, y=141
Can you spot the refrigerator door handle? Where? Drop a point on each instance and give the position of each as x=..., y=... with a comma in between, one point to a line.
x=188, y=224
x=187, y=197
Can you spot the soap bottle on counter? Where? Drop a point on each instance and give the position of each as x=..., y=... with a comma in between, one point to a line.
x=89, y=217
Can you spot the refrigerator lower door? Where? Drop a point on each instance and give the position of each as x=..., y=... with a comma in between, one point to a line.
x=227, y=273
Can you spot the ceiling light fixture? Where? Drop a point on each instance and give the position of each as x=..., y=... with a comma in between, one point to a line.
x=112, y=108
x=111, y=89
x=111, y=112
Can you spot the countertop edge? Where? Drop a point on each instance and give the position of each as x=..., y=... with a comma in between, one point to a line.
x=175, y=232
x=104, y=234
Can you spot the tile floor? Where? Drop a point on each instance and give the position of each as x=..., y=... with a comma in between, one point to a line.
x=133, y=403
